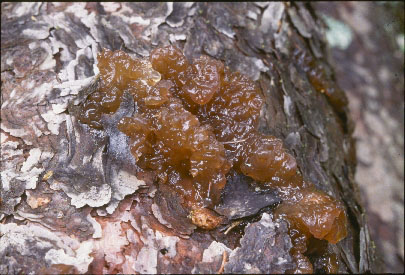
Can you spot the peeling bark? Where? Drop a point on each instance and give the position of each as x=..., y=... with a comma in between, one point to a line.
x=69, y=193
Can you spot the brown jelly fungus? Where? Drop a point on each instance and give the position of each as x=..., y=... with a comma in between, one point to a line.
x=194, y=121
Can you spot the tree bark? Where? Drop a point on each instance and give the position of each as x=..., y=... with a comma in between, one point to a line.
x=375, y=88
x=68, y=203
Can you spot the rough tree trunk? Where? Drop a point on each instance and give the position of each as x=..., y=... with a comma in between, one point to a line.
x=375, y=88
x=93, y=216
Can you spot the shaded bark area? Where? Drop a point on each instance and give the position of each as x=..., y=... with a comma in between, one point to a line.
x=371, y=70
x=69, y=193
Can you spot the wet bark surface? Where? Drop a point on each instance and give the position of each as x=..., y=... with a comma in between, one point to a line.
x=70, y=200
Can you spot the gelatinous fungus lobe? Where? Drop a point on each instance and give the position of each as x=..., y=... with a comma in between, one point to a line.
x=193, y=122
x=318, y=78
x=316, y=215
x=118, y=72
x=188, y=152
x=266, y=160
x=203, y=79
x=170, y=63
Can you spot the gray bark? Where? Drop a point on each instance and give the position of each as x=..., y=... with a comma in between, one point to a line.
x=370, y=70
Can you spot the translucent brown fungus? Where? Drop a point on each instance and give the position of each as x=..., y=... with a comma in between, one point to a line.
x=193, y=122
x=318, y=78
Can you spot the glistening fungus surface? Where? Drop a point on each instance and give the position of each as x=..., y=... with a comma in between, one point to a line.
x=196, y=121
